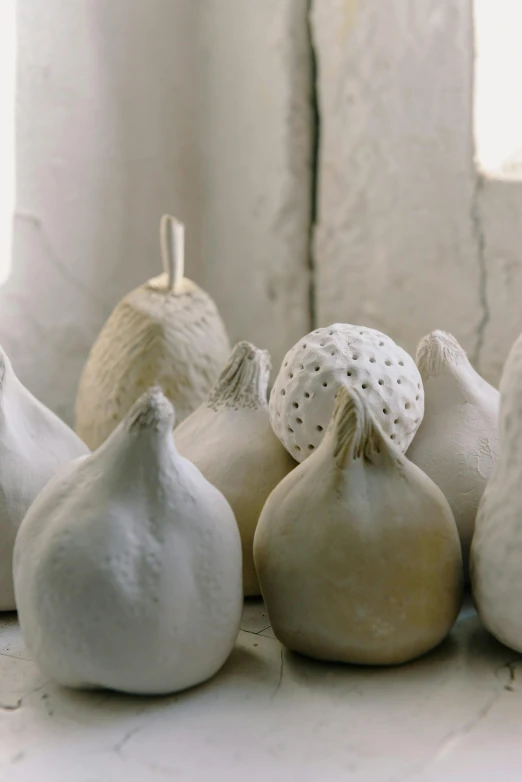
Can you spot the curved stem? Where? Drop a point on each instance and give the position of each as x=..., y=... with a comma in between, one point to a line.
x=172, y=241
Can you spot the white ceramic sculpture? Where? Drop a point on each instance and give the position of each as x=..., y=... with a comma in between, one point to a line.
x=457, y=442
x=357, y=551
x=128, y=565
x=303, y=395
x=166, y=332
x=229, y=438
x=34, y=443
x=496, y=549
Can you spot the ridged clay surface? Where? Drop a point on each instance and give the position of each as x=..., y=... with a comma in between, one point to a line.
x=154, y=336
x=303, y=396
x=128, y=565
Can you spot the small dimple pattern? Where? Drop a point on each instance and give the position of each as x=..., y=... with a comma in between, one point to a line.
x=303, y=395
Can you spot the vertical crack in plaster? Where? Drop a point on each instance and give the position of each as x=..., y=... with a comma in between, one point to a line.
x=314, y=162
x=480, y=240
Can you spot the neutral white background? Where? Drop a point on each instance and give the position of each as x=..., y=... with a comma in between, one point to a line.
x=126, y=109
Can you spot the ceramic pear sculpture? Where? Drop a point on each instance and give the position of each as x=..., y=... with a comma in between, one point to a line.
x=357, y=551
x=127, y=566
x=496, y=560
x=167, y=332
x=229, y=438
x=34, y=444
x=303, y=396
x=457, y=442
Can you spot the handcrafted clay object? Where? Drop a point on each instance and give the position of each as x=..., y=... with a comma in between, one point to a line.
x=313, y=371
x=457, y=442
x=496, y=550
x=229, y=438
x=128, y=565
x=167, y=332
x=357, y=551
x=34, y=443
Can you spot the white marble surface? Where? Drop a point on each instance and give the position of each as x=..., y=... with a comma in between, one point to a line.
x=271, y=716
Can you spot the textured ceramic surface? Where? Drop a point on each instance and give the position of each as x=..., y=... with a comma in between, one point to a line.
x=303, y=395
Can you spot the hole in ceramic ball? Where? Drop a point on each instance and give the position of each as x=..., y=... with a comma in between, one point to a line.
x=361, y=333
x=299, y=420
x=372, y=361
x=407, y=406
x=381, y=382
x=290, y=429
x=384, y=410
x=417, y=398
x=291, y=375
x=286, y=363
x=322, y=343
x=295, y=404
x=319, y=428
x=317, y=369
x=303, y=346
x=332, y=353
x=355, y=357
x=325, y=385
x=388, y=362
x=364, y=385
x=297, y=448
x=301, y=366
x=330, y=333
x=392, y=437
x=401, y=363
x=283, y=392
x=311, y=447
x=396, y=421
x=419, y=386
x=307, y=395
x=349, y=374
x=399, y=381
x=381, y=344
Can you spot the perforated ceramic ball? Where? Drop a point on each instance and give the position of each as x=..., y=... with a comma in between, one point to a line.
x=303, y=395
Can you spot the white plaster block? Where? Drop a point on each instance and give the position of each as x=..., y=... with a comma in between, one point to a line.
x=396, y=241
x=256, y=143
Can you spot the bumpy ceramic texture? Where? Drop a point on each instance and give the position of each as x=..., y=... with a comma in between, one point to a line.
x=34, y=444
x=303, y=395
x=357, y=551
x=496, y=549
x=155, y=335
x=128, y=565
x=457, y=442
x=229, y=438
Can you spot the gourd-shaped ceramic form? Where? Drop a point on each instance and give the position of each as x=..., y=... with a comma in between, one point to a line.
x=457, y=442
x=303, y=395
x=229, y=438
x=167, y=332
x=357, y=551
x=496, y=549
x=34, y=444
x=128, y=565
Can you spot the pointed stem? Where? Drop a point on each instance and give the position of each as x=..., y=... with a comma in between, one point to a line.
x=172, y=241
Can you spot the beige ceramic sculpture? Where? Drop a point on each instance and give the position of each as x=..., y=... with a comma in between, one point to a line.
x=303, y=395
x=127, y=567
x=357, y=551
x=457, y=442
x=496, y=549
x=34, y=444
x=166, y=332
x=229, y=438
